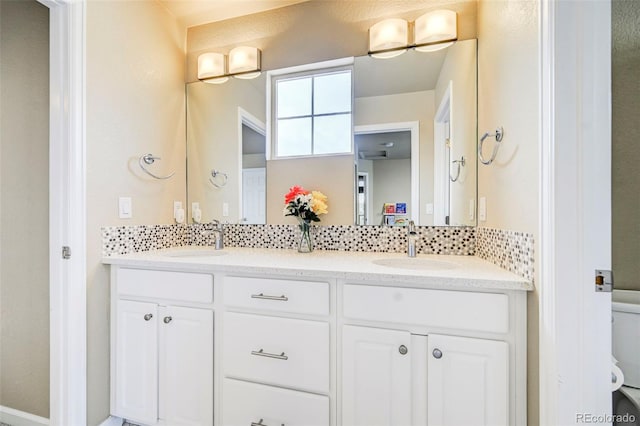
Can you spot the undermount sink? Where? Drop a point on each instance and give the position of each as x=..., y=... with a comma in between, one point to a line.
x=416, y=263
x=196, y=252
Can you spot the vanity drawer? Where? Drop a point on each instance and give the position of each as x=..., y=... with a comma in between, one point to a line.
x=305, y=297
x=279, y=351
x=245, y=404
x=458, y=310
x=180, y=286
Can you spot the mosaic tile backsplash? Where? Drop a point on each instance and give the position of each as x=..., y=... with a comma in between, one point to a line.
x=509, y=250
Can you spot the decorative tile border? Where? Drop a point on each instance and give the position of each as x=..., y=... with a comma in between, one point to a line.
x=509, y=250
x=431, y=240
x=132, y=239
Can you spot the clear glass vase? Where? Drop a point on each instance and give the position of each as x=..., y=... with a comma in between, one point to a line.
x=306, y=242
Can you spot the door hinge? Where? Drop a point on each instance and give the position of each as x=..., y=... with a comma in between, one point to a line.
x=66, y=252
x=604, y=281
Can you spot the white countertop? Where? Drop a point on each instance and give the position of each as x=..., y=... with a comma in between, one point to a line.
x=466, y=272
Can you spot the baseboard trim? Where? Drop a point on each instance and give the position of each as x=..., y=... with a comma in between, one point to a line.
x=112, y=421
x=20, y=418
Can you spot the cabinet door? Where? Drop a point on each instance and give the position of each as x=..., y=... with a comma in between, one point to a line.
x=376, y=377
x=136, y=375
x=186, y=366
x=468, y=381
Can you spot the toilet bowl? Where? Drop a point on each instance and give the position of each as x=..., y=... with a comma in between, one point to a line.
x=626, y=349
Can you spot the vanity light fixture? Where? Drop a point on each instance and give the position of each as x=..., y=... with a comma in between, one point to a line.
x=212, y=68
x=243, y=62
x=435, y=30
x=432, y=31
x=389, y=38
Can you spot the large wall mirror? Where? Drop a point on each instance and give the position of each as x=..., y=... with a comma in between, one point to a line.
x=414, y=155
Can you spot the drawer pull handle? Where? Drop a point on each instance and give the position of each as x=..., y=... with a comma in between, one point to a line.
x=282, y=298
x=261, y=424
x=437, y=353
x=167, y=320
x=261, y=352
x=147, y=317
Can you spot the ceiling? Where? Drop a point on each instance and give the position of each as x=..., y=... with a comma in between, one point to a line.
x=375, y=146
x=191, y=13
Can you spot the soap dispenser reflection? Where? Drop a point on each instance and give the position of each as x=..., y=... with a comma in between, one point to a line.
x=412, y=238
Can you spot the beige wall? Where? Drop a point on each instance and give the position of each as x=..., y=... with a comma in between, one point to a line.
x=314, y=31
x=625, y=149
x=135, y=105
x=24, y=206
x=508, y=87
x=213, y=141
x=415, y=106
x=333, y=176
x=459, y=69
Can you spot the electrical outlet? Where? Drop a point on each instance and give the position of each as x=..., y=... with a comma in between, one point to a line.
x=429, y=208
x=195, y=206
x=177, y=205
x=225, y=209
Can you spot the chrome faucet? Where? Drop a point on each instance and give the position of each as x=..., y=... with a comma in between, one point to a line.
x=218, y=230
x=411, y=239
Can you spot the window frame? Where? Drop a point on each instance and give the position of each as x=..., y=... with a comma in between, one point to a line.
x=310, y=70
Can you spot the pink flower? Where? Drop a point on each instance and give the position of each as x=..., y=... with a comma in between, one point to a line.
x=294, y=191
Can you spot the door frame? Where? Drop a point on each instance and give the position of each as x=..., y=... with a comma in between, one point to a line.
x=67, y=213
x=251, y=121
x=414, y=128
x=575, y=209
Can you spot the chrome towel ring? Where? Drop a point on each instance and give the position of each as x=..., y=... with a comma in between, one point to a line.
x=218, y=179
x=149, y=159
x=499, y=134
x=460, y=163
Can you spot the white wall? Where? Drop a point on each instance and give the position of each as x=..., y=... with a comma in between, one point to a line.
x=508, y=88
x=24, y=206
x=135, y=105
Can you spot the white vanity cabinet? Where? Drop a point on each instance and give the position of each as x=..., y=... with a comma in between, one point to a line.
x=276, y=352
x=162, y=352
x=301, y=347
x=399, y=368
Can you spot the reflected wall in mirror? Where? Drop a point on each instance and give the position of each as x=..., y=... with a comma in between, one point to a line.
x=415, y=119
x=226, y=132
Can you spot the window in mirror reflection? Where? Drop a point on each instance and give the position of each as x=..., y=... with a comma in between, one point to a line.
x=313, y=114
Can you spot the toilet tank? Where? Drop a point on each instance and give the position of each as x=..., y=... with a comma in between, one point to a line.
x=626, y=334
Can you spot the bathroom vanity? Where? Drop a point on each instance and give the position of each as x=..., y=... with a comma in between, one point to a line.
x=269, y=337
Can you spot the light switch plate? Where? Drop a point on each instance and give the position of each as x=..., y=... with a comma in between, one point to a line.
x=482, y=209
x=472, y=209
x=177, y=205
x=225, y=209
x=125, y=210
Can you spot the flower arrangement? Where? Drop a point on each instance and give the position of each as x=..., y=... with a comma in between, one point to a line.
x=306, y=206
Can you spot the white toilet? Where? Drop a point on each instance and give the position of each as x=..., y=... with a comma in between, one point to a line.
x=626, y=349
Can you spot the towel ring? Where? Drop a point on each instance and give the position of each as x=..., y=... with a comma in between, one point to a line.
x=460, y=163
x=149, y=159
x=214, y=175
x=499, y=134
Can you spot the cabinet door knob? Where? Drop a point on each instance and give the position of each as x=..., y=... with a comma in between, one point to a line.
x=147, y=317
x=403, y=350
x=167, y=320
x=437, y=353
